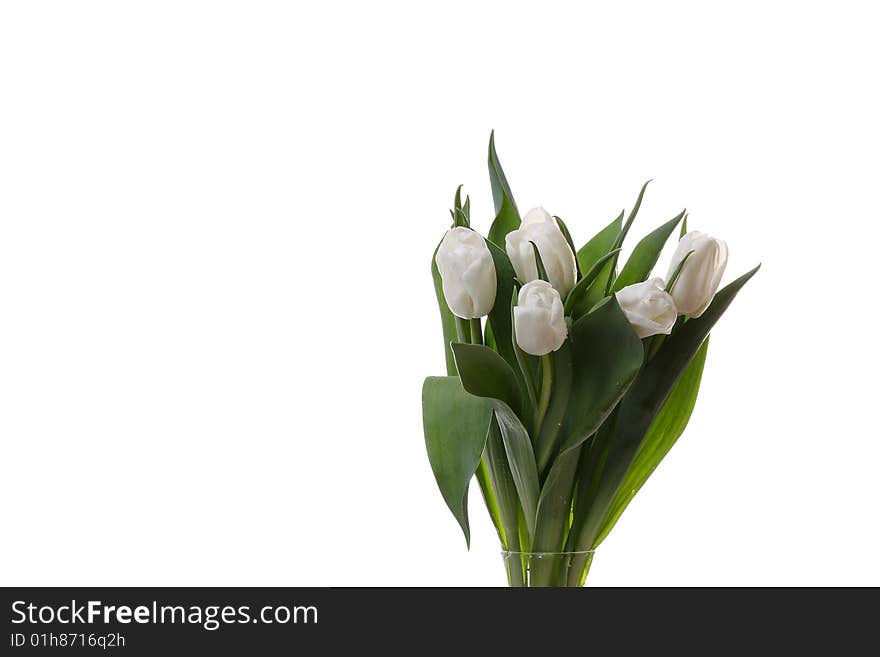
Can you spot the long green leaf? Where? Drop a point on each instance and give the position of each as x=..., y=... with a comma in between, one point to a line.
x=455, y=425
x=669, y=424
x=567, y=235
x=506, y=213
x=554, y=505
x=554, y=510
x=640, y=407
x=521, y=459
x=485, y=374
x=578, y=302
x=622, y=236
x=606, y=356
x=643, y=258
x=553, y=419
x=599, y=245
x=631, y=218
x=489, y=497
x=499, y=317
x=503, y=485
x=447, y=319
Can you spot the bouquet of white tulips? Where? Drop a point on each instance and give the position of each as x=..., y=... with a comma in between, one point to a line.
x=581, y=379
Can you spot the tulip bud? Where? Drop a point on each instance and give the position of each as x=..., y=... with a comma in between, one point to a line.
x=468, y=273
x=701, y=274
x=539, y=227
x=648, y=307
x=538, y=319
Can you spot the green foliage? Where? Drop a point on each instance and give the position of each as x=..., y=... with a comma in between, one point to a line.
x=506, y=214
x=562, y=444
x=455, y=425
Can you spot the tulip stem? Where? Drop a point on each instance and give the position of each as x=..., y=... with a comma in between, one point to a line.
x=546, y=389
x=476, y=331
x=463, y=328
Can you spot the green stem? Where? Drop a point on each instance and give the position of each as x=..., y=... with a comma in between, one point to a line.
x=546, y=389
x=476, y=331
x=463, y=328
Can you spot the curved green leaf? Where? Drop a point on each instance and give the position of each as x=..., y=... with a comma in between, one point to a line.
x=641, y=406
x=447, y=319
x=553, y=419
x=669, y=424
x=606, y=356
x=506, y=213
x=499, y=317
x=631, y=218
x=599, y=245
x=539, y=264
x=622, y=236
x=554, y=511
x=521, y=459
x=645, y=255
x=577, y=303
x=503, y=485
x=554, y=504
x=567, y=235
x=455, y=426
x=486, y=374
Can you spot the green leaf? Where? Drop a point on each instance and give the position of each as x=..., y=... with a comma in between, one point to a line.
x=489, y=497
x=459, y=217
x=578, y=302
x=554, y=511
x=599, y=245
x=622, y=236
x=563, y=374
x=554, y=505
x=447, y=319
x=567, y=235
x=455, y=426
x=521, y=459
x=640, y=407
x=539, y=264
x=503, y=485
x=645, y=255
x=669, y=424
x=606, y=356
x=506, y=213
x=486, y=374
x=631, y=218
x=499, y=317
x=589, y=471
x=670, y=284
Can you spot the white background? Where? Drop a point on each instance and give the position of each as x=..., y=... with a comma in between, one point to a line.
x=216, y=222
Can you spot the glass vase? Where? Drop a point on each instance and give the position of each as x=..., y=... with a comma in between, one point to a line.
x=533, y=569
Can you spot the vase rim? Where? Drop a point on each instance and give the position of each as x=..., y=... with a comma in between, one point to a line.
x=572, y=553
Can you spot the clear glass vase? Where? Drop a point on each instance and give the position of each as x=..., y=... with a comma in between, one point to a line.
x=527, y=569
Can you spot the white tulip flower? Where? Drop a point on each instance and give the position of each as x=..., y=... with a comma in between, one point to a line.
x=648, y=307
x=559, y=260
x=539, y=319
x=701, y=274
x=468, y=273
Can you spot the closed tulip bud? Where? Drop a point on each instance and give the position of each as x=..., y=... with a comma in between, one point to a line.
x=648, y=307
x=468, y=273
x=701, y=274
x=538, y=319
x=539, y=227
